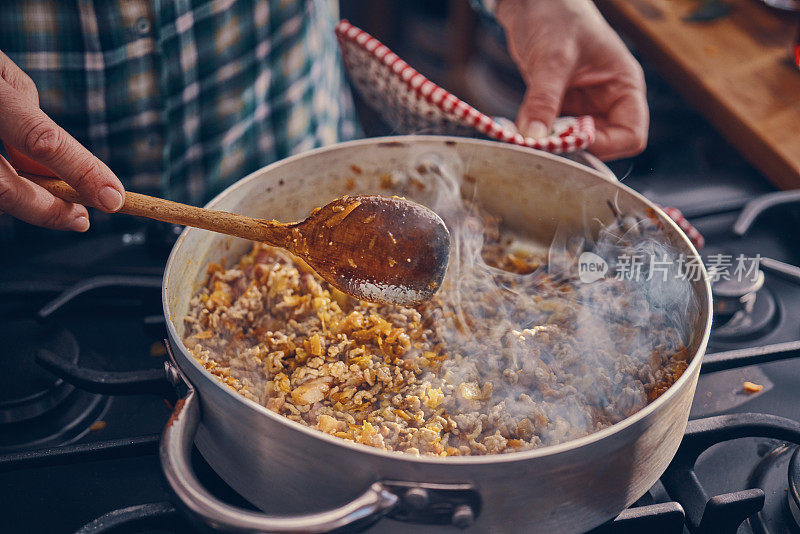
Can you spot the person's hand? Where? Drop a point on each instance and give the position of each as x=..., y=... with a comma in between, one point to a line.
x=35, y=143
x=574, y=63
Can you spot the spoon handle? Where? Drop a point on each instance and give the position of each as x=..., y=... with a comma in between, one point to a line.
x=160, y=209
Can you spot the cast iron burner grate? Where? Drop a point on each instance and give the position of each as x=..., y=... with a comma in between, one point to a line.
x=679, y=501
x=23, y=400
x=770, y=475
x=44, y=409
x=721, y=513
x=793, y=491
x=690, y=507
x=663, y=518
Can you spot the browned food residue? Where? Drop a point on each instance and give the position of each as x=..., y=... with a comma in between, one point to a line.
x=381, y=375
x=750, y=387
x=343, y=212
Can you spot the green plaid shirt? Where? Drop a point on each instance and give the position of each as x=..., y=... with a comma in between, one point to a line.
x=184, y=97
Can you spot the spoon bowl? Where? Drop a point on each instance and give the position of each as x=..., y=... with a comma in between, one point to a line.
x=376, y=248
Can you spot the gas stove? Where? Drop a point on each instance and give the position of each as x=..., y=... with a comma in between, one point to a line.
x=83, y=397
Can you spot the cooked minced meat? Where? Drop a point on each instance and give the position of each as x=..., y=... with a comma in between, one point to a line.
x=447, y=378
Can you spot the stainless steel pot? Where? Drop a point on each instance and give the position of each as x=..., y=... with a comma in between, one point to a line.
x=286, y=468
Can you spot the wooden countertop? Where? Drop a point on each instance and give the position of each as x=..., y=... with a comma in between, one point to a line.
x=736, y=70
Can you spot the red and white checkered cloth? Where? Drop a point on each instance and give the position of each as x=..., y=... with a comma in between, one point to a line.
x=691, y=232
x=411, y=103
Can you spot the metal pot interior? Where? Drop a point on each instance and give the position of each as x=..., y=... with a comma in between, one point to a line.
x=534, y=192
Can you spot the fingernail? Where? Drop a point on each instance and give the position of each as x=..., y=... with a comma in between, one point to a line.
x=110, y=198
x=508, y=124
x=79, y=224
x=535, y=129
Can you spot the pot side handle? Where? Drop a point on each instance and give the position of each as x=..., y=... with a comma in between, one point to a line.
x=207, y=511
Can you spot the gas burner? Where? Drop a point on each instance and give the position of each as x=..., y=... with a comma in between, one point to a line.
x=725, y=512
x=757, y=318
x=40, y=391
x=40, y=409
x=733, y=295
x=743, y=308
x=66, y=423
x=769, y=474
x=794, y=487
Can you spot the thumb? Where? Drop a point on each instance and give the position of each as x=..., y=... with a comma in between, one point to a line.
x=542, y=102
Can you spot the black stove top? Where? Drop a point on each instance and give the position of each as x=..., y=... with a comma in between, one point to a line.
x=81, y=455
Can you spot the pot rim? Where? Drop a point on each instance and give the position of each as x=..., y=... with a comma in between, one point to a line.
x=487, y=459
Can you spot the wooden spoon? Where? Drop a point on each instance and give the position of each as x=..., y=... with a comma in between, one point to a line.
x=375, y=248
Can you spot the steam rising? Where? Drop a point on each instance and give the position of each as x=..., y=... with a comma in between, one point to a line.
x=571, y=357
x=498, y=361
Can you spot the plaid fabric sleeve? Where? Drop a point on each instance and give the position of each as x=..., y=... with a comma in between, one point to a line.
x=184, y=97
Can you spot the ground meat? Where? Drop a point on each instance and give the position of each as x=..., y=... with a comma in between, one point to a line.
x=437, y=380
